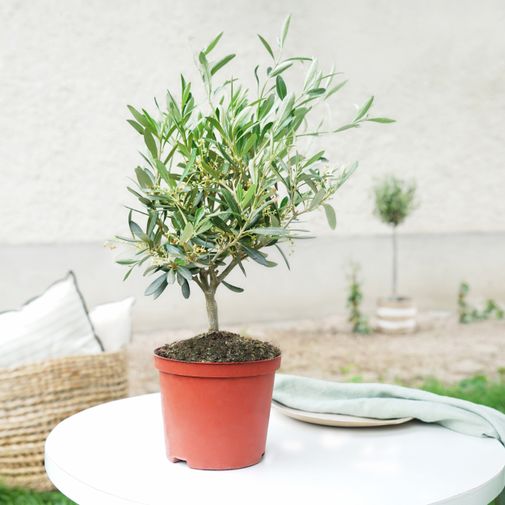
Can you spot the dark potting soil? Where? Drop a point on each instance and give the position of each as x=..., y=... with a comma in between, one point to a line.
x=219, y=347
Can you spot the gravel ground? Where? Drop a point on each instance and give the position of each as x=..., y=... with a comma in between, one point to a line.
x=440, y=348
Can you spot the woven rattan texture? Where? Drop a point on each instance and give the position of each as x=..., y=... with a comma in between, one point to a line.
x=35, y=398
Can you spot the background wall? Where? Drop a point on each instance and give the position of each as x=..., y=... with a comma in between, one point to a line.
x=68, y=69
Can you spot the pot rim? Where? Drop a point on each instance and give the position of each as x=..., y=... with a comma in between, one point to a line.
x=216, y=369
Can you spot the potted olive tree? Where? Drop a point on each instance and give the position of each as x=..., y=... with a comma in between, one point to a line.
x=222, y=183
x=395, y=199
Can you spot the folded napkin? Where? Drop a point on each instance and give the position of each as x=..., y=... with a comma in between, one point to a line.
x=386, y=401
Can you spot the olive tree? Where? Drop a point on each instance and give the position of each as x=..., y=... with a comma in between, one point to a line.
x=229, y=179
x=395, y=199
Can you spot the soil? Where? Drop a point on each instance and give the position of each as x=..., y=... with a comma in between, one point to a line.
x=325, y=348
x=219, y=347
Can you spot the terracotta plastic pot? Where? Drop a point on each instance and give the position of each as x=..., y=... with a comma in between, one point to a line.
x=216, y=414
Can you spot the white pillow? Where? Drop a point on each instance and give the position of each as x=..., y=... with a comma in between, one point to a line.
x=113, y=323
x=52, y=325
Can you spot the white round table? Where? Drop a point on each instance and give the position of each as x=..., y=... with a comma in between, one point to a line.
x=114, y=454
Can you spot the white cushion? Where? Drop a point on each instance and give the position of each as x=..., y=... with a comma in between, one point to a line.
x=52, y=325
x=113, y=323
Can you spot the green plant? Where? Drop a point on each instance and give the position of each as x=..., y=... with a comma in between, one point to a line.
x=478, y=389
x=394, y=201
x=226, y=180
x=10, y=496
x=354, y=298
x=464, y=309
x=469, y=314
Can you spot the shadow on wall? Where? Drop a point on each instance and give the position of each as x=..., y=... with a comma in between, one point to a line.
x=431, y=268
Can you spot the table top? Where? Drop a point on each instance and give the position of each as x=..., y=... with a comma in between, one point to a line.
x=114, y=454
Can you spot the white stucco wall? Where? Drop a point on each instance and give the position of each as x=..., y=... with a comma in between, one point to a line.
x=69, y=67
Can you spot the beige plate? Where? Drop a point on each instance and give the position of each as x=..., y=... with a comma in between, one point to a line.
x=337, y=419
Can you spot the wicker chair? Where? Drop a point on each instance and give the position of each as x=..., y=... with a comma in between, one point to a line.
x=35, y=398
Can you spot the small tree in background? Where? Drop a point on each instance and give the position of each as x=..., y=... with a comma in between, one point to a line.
x=357, y=319
x=226, y=180
x=395, y=199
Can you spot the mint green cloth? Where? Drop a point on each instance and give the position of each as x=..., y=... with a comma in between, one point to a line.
x=385, y=401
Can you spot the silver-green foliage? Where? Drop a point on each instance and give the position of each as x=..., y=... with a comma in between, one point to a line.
x=395, y=199
x=221, y=182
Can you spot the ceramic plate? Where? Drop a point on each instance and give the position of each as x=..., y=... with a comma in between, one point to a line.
x=337, y=419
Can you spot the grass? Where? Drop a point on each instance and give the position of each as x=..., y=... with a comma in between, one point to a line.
x=478, y=389
x=23, y=497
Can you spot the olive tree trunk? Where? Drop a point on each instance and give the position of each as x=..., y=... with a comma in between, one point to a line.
x=394, y=284
x=210, y=300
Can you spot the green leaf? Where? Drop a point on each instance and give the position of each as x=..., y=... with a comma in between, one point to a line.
x=316, y=91
x=160, y=290
x=137, y=231
x=231, y=287
x=281, y=88
x=299, y=58
x=266, y=45
x=269, y=231
x=330, y=215
x=285, y=30
x=126, y=262
x=248, y=195
x=361, y=112
x=280, y=68
x=215, y=123
x=217, y=221
x=242, y=269
x=258, y=257
x=221, y=63
x=127, y=274
x=204, y=226
x=189, y=165
x=151, y=222
x=185, y=272
x=187, y=232
x=249, y=143
x=381, y=120
x=171, y=276
x=202, y=59
x=335, y=88
x=317, y=199
x=156, y=284
x=150, y=143
x=139, y=117
x=136, y=125
x=213, y=44
x=162, y=170
x=230, y=201
x=186, y=291
x=172, y=249
x=346, y=127
x=256, y=68
x=144, y=180
x=283, y=256
x=311, y=73
x=313, y=159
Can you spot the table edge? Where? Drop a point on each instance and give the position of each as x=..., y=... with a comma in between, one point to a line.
x=69, y=485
